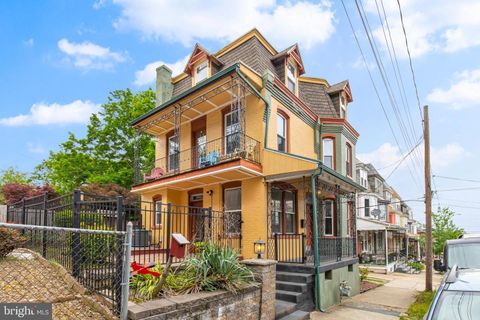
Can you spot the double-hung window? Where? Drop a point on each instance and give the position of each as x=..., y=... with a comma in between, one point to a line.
x=367, y=207
x=173, y=153
x=328, y=218
x=201, y=72
x=232, y=132
x=233, y=210
x=343, y=107
x=281, y=133
x=328, y=152
x=348, y=160
x=283, y=208
x=291, y=77
x=158, y=212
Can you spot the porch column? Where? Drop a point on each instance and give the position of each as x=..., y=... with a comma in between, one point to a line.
x=338, y=224
x=406, y=248
x=386, y=247
x=354, y=225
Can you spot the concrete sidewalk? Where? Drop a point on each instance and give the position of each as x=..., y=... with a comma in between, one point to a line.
x=382, y=303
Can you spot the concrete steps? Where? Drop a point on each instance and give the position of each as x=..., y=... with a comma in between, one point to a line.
x=294, y=291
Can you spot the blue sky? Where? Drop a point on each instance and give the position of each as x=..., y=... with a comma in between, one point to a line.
x=60, y=59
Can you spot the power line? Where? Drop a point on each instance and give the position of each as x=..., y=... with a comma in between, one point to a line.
x=410, y=59
x=375, y=87
x=398, y=165
x=459, y=189
x=383, y=74
x=457, y=179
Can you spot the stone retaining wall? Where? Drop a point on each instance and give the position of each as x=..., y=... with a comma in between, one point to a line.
x=250, y=303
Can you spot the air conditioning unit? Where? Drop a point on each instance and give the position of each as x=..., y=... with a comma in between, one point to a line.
x=141, y=238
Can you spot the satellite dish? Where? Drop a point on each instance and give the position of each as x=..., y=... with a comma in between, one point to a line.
x=376, y=213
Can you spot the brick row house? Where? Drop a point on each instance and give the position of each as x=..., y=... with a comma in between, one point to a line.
x=387, y=233
x=248, y=148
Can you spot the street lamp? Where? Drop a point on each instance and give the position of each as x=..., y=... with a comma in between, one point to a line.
x=259, y=248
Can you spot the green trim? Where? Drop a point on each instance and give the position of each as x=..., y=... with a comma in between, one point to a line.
x=293, y=155
x=193, y=89
x=289, y=104
x=342, y=177
x=318, y=302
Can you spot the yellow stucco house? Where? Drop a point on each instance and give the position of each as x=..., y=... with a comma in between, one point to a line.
x=249, y=148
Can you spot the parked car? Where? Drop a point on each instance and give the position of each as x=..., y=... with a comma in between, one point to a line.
x=458, y=297
x=465, y=253
x=469, y=235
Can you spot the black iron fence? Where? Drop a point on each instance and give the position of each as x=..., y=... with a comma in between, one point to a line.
x=289, y=248
x=233, y=146
x=153, y=222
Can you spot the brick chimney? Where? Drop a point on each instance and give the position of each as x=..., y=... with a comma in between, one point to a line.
x=164, y=84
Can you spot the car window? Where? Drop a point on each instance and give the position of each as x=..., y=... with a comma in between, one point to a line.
x=464, y=255
x=458, y=305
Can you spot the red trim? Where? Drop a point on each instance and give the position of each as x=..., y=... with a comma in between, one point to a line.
x=334, y=160
x=341, y=121
x=292, y=96
x=284, y=115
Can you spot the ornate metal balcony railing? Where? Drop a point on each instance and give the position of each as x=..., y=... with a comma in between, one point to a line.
x=231, y=147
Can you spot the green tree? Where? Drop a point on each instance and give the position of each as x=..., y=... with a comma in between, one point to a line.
x=11, y=175
x=443, y=229
x=106, y=153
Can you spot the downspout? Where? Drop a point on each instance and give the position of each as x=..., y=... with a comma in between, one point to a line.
x=315, y=174
x=258, y=94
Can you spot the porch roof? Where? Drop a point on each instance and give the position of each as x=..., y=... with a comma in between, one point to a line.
x=364, y=224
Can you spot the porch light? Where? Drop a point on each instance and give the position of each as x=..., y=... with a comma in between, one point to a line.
x=259, y=248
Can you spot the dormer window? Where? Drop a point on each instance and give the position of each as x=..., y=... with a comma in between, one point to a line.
x=291, y=77
x=201, y=72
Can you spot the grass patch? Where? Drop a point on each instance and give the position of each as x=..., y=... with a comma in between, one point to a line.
x=419, y=308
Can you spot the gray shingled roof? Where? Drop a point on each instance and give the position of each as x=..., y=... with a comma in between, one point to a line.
x=337, y=86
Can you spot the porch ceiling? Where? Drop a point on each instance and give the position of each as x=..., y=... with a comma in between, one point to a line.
x=231, y=171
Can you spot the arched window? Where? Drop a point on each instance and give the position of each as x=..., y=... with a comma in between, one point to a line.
x=282, y=127
x=328, y=152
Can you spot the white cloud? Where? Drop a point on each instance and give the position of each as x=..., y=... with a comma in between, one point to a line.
x=386, y=157
x=88, y=56
x=29, y=43
x=431, y=25
x=463, y=93
x=77, y=111
x=35, y=148
x=284, y=24
x=147, y=75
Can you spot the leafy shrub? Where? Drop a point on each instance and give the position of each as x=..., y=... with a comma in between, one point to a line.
x=14, y=192
x=9, y=240
x=418, y=266
x=363, y=273
x=212, y=268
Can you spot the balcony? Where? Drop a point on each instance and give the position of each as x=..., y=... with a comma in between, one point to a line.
x=236, y=153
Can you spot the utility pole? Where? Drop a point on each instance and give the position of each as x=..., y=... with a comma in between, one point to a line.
x=428, y=204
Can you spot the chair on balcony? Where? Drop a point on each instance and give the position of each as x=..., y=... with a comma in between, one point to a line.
x=155, y=174
x=210, y=159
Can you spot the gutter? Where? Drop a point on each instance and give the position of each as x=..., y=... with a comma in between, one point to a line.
x=318, y=304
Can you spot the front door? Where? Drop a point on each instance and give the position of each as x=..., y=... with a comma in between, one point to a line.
x=196, y=219
x=199, y=148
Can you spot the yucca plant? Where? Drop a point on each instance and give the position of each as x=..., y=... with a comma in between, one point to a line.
x=217, y=267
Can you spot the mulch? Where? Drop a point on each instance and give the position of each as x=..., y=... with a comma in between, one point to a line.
x=367, y=285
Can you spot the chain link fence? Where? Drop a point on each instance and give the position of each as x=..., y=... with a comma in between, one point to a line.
x=83, y=273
